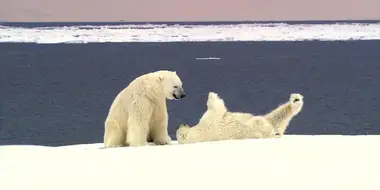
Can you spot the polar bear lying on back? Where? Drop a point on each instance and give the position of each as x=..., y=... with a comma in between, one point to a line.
x=217, y=123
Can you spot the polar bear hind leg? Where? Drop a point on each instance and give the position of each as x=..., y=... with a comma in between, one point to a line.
x=114, y=136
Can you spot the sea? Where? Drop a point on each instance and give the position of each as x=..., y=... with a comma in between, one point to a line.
x=58, y=80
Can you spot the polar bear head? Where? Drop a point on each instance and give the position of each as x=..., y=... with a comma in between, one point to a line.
x=172, y=85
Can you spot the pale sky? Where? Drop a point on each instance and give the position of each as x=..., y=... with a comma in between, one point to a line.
x=186, y=10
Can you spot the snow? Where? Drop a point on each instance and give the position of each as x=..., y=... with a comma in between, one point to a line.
x=194, y=33
x=329, y=162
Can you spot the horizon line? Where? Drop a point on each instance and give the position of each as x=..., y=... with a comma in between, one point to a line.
x=210, y=21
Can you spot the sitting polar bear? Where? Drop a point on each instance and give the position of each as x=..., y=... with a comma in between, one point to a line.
x=139, y=113
x=217, y=123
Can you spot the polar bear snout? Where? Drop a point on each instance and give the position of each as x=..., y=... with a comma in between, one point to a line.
x=179, y=93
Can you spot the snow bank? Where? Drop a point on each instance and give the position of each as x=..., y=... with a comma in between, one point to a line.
x=175, y=33
x=293, y=162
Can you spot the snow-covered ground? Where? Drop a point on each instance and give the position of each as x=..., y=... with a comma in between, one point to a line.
x=174, y=33
x=330, y=162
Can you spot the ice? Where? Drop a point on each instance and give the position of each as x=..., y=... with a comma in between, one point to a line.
x=193, y=33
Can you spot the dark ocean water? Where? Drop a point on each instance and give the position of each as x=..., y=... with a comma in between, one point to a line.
x=59, y=94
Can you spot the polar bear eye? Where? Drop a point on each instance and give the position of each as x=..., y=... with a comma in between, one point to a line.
x=175, y=86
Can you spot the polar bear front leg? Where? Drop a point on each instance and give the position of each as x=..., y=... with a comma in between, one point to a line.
x=137, y=132
x=159, y=131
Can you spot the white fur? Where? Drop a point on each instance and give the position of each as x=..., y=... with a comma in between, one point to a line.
x=217, y=123
x=139, y=113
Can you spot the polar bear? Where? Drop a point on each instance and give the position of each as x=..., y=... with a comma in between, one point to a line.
x=217, y=123
x=139, y=113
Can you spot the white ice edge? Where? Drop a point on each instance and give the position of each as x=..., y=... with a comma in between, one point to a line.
x=207, y=58
x=194, y=33
x=330, y=162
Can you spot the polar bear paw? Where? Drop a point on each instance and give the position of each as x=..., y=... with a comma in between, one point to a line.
x=296, y=102
x=163, y=141
x=184, y=125
x=213, y=96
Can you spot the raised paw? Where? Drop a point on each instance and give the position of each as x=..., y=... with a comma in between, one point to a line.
x=213, y=95
x=296, y=102
x=296, y=98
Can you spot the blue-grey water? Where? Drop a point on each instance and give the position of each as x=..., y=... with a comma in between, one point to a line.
x=59, y=94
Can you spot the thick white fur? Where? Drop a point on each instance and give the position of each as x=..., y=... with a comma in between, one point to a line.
x=217, y=123
x=139, y=113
